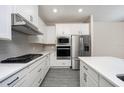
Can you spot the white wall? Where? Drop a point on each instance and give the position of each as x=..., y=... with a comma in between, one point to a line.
x=18, y=46
x=108, y=39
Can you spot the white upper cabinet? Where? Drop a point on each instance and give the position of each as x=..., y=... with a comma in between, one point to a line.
x=50, y=35
x=84, y=29
x=41, y=25
x=39, y=38
x=29, y=12
x=5, y=22
x=72, y=29
x=63, y=29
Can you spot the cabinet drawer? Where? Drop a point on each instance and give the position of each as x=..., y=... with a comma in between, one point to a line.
x=12, y=80
x=91, y=82
x=82, y=80
x=63, y=62
x=35, y=64
x=89, y=70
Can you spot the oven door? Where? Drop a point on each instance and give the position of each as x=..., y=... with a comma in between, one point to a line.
x=63, y=52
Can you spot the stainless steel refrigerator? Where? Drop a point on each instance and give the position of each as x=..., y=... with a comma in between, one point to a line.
x=80, y=46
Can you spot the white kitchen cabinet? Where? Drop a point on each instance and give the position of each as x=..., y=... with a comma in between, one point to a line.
x=104, y=83
x=46, y=65
x=90, y=78
x=72, y=29
x=14, y=79
x=87, y=77
x=5, y=22
x=84, y=29
x=50, y=35
x=63, y=63
x=37, y=72
x=31, y=76
x=82, y=78
x=52, y=58
x=29, y=12
x=90, y=81
x=40, y=39
x=63, y=30
x=41, y=25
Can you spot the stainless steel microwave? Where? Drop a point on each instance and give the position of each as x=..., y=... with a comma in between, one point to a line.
x=63, y=40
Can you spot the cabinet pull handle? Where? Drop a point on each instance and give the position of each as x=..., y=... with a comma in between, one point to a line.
x=39, y=80
x=85, y=68
x=13, y=81
x=31, y=18
x=85, y=77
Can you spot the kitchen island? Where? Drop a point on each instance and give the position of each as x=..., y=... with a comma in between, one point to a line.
x=101, y=72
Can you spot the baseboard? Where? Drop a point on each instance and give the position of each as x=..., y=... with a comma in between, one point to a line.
x=60, y=67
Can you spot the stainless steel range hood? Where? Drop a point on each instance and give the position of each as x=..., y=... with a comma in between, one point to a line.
x=20, y=24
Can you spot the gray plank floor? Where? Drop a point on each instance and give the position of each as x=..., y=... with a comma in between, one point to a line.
x=61, y=77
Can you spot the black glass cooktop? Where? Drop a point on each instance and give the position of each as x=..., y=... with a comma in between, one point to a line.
x=22, y=59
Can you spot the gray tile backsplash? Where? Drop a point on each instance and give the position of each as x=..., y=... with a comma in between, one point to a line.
x=19, y=45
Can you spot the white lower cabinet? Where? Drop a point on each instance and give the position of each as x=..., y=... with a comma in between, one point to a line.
x=14, y=79
x=104, y=83
x=53, y=59
x=86, y=78
x=31, y=76
x=91, y=82
x=90, y=78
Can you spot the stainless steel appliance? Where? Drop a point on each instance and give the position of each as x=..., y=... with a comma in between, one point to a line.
x=20, y=24
x=63, y=52
x=80, y=46
x=63, y=41
x=21, y=59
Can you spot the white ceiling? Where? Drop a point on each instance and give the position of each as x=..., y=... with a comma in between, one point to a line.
x=68, y=13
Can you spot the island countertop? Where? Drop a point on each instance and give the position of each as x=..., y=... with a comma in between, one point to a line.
x=108, y=67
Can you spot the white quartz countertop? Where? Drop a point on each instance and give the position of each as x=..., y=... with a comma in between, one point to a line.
x=108, y=67
x=8, y=69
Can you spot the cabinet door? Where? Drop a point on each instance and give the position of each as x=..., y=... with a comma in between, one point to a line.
x=63, y=29
x=82, y=78
x=86, y=77
x=104, y=83
x=29, y=12
x=84, y=29
x=5, y=22
x=40, y=39
x=31, y=76
x=53, y=59
x=90, y=81
x=41, y=25
x=50, y=35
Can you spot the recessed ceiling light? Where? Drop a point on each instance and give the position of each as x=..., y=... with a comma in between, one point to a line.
x=80, y=10
x=55, y=10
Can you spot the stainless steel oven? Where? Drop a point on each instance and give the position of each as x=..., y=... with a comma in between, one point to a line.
x=63, y=52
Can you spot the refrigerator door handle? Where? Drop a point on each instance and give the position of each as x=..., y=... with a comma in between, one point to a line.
x=77, y=60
